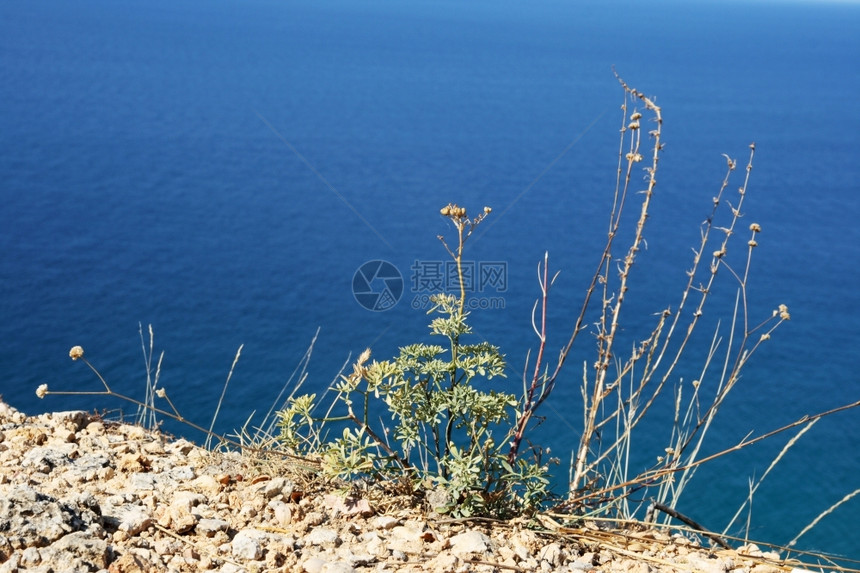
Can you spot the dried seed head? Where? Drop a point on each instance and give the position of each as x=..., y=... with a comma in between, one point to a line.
x=42, y=391
x=487, y=210
x=452, y=210
x=634, y=157
x=633, y=125
x=636, y=115
x=752, y=244
x=783, y=312
x=755, y=228
x=364, y=356
x=730, y=162
x=76, y=352
x=161, y=393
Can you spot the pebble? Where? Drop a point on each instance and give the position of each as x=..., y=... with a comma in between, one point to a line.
x=470, y=542
x=323, y=536
x=552, y=554
x=246, y=545
x=209, y=527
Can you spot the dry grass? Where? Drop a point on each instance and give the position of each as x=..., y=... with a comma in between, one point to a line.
x=620, y=388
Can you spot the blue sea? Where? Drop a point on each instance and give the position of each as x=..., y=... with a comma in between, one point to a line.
x=222, y=170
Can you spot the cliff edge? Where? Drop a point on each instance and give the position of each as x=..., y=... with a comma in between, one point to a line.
x=79, y=493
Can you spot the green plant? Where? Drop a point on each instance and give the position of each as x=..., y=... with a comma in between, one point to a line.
x=447, y=434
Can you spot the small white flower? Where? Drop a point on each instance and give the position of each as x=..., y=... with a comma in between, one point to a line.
x=76, y=352
x=42, y=390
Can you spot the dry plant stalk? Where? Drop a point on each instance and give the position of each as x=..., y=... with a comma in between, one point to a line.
x=617, y=399
x=148, y=412
x=618, y=391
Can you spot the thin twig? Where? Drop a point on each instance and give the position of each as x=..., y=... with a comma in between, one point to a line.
x=701, y=529
x=221, y=399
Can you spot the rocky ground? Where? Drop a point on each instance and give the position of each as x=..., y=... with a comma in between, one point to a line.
x=78, y=493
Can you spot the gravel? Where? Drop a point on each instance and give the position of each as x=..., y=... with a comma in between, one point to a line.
x=78, y=493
